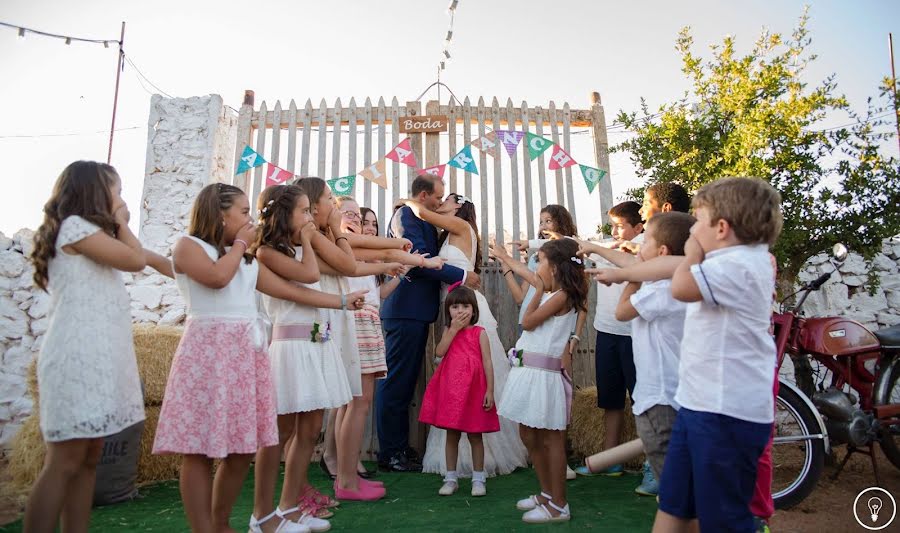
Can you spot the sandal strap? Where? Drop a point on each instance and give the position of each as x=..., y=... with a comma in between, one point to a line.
x=263, y=520
x=545, y=495
x=281, y=513
x=562, y=510
x=451, y=480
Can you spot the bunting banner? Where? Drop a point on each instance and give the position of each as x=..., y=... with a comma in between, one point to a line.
x=510, y=140
x=375, y=174
x=249, y=159
x=537, y=145
x=560, y=159
x=342, y=186
x=403, y=153
x=276, y=176
x=464, y=160
x=437, y=171
x=487, y=144
x=592, y=176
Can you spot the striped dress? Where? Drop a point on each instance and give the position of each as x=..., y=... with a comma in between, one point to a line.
x=369, y=334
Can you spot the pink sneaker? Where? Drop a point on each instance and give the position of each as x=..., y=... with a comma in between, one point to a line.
x=365, y=493
x=374, y=483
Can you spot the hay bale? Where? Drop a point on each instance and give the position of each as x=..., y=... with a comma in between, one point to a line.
x=28, y=450
x=155, y=347
x=151, y=467
x=586, y=432
x=31, y=383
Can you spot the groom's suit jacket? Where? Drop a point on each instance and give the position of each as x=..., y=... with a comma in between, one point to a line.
x=418, y=299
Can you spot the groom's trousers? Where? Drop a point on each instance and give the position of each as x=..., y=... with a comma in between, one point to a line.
x=405, y=349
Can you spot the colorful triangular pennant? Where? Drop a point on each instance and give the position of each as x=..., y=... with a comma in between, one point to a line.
x=537, y=145
x=510, y=140
x=403, y=153
x=487, y=144
x=276, y=176
x=342, y=186
x=464, y=160
x=560, y=159
x=375, y=173
x=592, y=176
x=250, y=158
x=437, y=171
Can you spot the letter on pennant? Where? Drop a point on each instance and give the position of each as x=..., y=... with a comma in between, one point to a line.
x=375, y=174
x=487, y=143
x=402, y=153
x=464, y=160
x=342, y=186
x=592, y=176
x=276, y=176
x=560, y=159
x=437, y=171
x=250, y=158
x=537, y=145
x=510, y=140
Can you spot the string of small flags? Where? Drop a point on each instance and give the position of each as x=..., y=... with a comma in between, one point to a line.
x=489, y=144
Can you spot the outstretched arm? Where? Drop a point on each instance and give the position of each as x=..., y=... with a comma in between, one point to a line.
x=412, y=230
x=616, y=257
x=662, y=267
x=451, y=223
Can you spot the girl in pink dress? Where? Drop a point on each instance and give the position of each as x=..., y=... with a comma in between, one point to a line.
x=460, y=396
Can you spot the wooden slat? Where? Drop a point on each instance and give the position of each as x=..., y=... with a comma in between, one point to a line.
x=432, y=140
x=276, y=137
x=367, y=157
x=322, y=138
x=414, y=108
x=382, y=149
x=601, y=156
x=307, y=130
x=336, y=145
x=292, y=137
x=467, y=139
x=567, y=146
x=351, y=143
x=510, y=115
x=526, y=167
x=554, y=132
x=244, y=138
x=258, y=173
x=484, y=222
x=498, y=188
x=539, y=130
x=395, y=166
x=452, y=111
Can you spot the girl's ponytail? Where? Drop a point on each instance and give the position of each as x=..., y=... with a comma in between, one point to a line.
x=561, y=253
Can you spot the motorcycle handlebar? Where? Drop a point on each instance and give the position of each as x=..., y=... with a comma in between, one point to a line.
x=818, y=282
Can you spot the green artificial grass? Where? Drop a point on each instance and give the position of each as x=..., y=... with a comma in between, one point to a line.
x=412, y=504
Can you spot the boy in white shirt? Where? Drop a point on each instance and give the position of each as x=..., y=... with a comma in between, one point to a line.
x=657, y=325
x=727, y=355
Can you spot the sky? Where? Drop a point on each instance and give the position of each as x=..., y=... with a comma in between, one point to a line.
x=57, y=99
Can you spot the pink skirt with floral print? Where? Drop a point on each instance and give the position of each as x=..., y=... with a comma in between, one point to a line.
x=219, y=398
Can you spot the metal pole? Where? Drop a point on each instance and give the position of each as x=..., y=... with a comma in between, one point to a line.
x=119, y=65
x=894, y=80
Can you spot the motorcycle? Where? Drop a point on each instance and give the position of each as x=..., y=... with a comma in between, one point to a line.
x=860, y=407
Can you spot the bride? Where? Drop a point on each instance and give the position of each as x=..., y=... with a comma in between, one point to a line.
x=460, y=247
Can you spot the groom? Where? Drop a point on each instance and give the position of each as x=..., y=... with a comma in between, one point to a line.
x=406, y=315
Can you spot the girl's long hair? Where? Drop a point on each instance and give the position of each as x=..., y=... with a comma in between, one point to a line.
x=565, y=225
x=363, y=211
x=276, y=209
x=569, y=272
x=466, y=212
x=206, y=215
x=83, y=189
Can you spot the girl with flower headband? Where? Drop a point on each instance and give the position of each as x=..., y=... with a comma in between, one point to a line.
x=219, y=400
x=461, y=247
x=460, y=395
x=538, y=392
x=306, y=367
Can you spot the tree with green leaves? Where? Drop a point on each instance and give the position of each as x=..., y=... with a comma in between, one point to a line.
x=753, y=115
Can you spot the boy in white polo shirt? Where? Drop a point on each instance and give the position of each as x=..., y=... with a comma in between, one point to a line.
x=727, y=355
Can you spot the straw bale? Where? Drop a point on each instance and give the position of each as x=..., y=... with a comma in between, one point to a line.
x=31, y=382
x=587, y=431
x=151, y=467
x=155, y=347
x=27, y=457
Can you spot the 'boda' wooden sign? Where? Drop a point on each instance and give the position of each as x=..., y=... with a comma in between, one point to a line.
x=423, y=124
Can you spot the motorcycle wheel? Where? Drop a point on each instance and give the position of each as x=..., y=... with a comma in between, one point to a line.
x=889, y=436
x=798, y=451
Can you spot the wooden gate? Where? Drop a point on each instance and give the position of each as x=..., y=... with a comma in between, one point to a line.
x=508, y=191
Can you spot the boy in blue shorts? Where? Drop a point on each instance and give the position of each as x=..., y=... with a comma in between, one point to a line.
x=727, y=355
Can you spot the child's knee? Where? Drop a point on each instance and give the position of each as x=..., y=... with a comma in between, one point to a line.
x=475, y=439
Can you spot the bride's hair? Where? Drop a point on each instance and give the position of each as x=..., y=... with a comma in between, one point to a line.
x=466, y=212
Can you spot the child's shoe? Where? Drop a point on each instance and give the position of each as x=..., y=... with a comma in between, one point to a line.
x=286, y=526
x=649, y=485
x=313, y=524
x=530, y=502
x=365, y=493
x=451, y=484
x=542, y=515
x=570, y=474
x=478, y=484
x=612, y=471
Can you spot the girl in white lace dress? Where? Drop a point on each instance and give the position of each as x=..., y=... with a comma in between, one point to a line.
x=87, y=373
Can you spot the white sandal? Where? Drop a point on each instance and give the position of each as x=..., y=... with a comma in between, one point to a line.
x=286, y=526
x=306, y=520
x=530, y=502
x=540, y=514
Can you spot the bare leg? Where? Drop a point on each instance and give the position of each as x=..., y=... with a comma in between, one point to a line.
x=539, y=460
x=195, y=483
x=76, y=511
x=296, y=467
x=555, y=446
x=62, y=464
x=227, y=487
x=477, y=445
x=666, y=523
x=266, y=471
x=451, y=449
x=330, y=455
x=613, y=420
x=350, y=433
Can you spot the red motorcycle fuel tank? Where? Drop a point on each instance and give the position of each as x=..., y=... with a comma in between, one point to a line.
x=836, y=336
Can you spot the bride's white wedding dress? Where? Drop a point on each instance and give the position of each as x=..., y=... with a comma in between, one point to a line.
x=503, y=450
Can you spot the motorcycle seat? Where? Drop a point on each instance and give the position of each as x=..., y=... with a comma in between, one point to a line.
x=889, y=337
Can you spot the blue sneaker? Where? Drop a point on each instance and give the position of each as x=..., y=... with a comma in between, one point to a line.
x=649, y=485
x=613, y=471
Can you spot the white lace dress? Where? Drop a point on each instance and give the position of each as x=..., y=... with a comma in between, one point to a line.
x=87, y=372
x=503, y=450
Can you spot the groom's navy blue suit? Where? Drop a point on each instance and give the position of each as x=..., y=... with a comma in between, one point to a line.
x=406, y=315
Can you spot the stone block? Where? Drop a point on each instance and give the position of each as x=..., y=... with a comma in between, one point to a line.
x=12, y=263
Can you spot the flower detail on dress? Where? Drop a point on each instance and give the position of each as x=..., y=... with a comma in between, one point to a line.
x=515, y=357
x=319, y=336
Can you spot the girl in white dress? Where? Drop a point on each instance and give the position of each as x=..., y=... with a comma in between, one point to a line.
x=461, y=247
x=538, y=392
x=87, y=372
